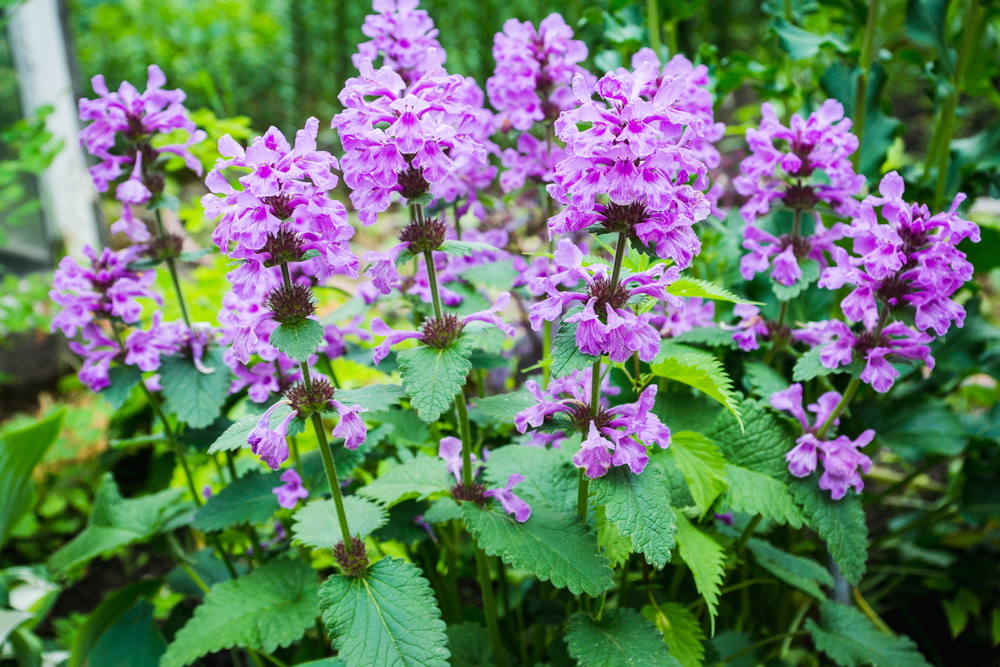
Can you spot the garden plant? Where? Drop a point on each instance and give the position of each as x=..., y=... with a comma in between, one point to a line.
x=607, y=359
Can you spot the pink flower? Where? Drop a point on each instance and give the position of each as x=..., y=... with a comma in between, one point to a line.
x=511, y=503
x=291, y=492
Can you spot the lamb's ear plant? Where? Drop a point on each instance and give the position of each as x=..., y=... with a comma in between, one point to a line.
x=498, y=441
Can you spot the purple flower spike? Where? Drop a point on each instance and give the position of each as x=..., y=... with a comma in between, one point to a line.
x=511, y=503
x=291, y=492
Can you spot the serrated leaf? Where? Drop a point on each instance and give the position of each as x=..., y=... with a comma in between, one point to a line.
x=553, y=547
x=616, y=547
x=503, y=407
x=810, y=274
x=802, y=573
x=702, y=464
x=681, y=631
x=692, y=287
x=374, y=398
x=465, y=248
x=698, y=369
x=756, y=493
x=763, y=380
x=387, y=617
x=415, y=479
x=195, y=397
x=272, y=606
x=20, y=451
x=550, y=479
x=851, y=640
x=809, y=367
x=710, y=336
x=566, y=355
x=298, y=341
x=706, y=559
x=115, y=522
x=432, y=377
x=639, y=505
x=841, y=524
x=123, y=379
x=761, y=446
x=316, y=525
x=621, y=638
x=248, y=500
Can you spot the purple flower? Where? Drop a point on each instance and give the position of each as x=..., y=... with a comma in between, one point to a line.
x=672, y=320
x=786, y=251
x=351, y=427
x=270, y=444
x=534, y=71
x=511, y=503
x=784, y=159
x=291, y=491
x=401, y=34
x=143, y=348
x=751, y=326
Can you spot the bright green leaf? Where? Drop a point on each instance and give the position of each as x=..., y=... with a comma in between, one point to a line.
x=298, y=341
x=681, y=631
x=706, y=559
x=756, y=493
x=248, y=500
x=841, y=524
x=433, y=377
x=702, y=465
x=698, y=369
x=316, y=525
x=566, y=354
x=195, y=397
x=639, y=506
x=374, y=398
x=692, y=287
x=20, y=451
x=415, y=479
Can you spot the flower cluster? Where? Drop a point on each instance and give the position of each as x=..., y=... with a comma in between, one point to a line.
x=577, y=386
x=450, y=449
x=840, y=457
x=636, y=151
x=130, y=118
x=615, y=436
x=534, y=71
x=604, y=325
x=401, y=34
x=672, y=320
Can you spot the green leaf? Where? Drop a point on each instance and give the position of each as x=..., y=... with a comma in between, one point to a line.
x=133, y=639
x=123, y=379
x=20, y=451
x=616, y=547
x=553, y=547
x=802, y=573
x=761, y=446
x=850, y=640
x=387, y=617
x=115, y=522
x=801, y=44
x=621, y=638
x=698, y=369
x=809, y=367
x=316, y=525
x=706, y=559
x=550, y=479
x=248, y=500
x=566, y=355
x=841, y=524
x=681, y=631
x=414, y=479
x=756, y=493
x=491, y=273
x=195, y=397
x=503, y=407
x=926, y=22
x=298, y=341
x=105, y=615
x=465, y=248
x=639, y=505
x=470, y=646
x=272, y=606
x=235, y=437
x=688, y=287
x=710, y=336
x=810, y=274
x=432, y=377
x=374, y=398
x=763, y=380
x=702, y=464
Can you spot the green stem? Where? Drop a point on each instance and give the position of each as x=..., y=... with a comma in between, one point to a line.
x=465, y=431
x=861, y=92
x=432, y=279
x=174, y=276
x=490, y=607
x=546, y=353
x=653, y=24
x=582, y=491
x=845, y=400
x=747, y=534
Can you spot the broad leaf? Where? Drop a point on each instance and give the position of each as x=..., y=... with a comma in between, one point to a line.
x=432, y=377
x=503, y=407
x=20, y=451
x=195, y=397
x=761, y=446
x=698, y=369
x=566, y=354
x=702, y=465
x=298, y=341
x=802, y=573
x=710, y=336
x=116, y=522
x=374, y=398
x=248, y=500
x=706, y=559
x=316, y=524
x=756, y=493
x=123, y=379
x=133, y=639
x=851, y=640
x=616, y=547
x=465, y=248
x=841, y=524
x=414, y=479
x=387, y=617
x=550, y=480
x=681, y=631
x=763, y=380
x=272, y=606
x=692, y=287
x=553, y=547
x=639, y=505
x=621, y=638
